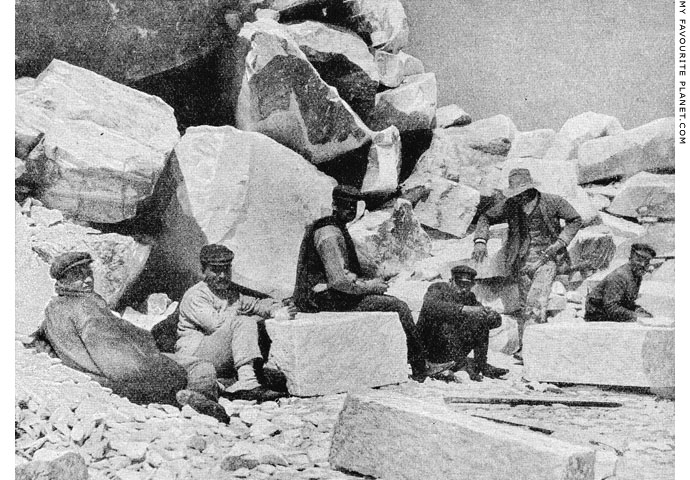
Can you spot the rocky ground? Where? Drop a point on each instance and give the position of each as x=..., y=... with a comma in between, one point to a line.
x=59, y=410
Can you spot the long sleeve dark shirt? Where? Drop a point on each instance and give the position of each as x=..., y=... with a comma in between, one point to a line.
x=613, y=299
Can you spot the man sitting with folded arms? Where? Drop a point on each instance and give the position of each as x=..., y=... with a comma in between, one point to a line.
x=452, y=323
x=613, y=299
x=88, y=337
x=219, y=324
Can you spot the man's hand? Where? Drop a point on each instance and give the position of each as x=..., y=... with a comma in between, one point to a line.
x=376, y=286
x=287, y=312
x=479, y=252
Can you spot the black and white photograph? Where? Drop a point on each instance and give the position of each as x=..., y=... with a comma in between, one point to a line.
x=346, y=239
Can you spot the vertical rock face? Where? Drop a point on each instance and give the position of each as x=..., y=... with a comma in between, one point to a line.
x=391, y=238
x=282, y=96
x=246, y=191
x=124, y=40
x=364, y=349
x=647, y=148
x=103, y=147
x=387, y=435
x=384, y=161
x=646, y=195
x=342, y=60
x=578, y=130
x=411, y=106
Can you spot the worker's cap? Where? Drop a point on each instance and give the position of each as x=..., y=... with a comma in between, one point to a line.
x=463, y=273
x=346, y=193
x=215, y=254
x=643, y=249
x=67, y=261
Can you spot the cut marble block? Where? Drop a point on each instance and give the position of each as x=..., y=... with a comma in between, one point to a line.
x=600, y=353
x=333, y=352
x=390, y=436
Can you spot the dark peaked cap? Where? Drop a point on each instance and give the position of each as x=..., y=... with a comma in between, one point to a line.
x=463, y=271
x=68, y=260
x=347, y=193
x=215, y=254
x=643, y=247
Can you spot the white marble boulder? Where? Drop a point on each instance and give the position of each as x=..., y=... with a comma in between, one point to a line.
x=646, y=195
x=283, y=96
x=391, y=436
x=393, y=68
x=384, y=22
x=391, y=239
x=342, y=60
x=593, y=248
x=383, y=162
x=648, y=148
x=533, y=144
x=600, y=353
x=104, y=145
x=451, y=116
x=579, y=129
x=334, y=352
x=410, y=107
x=246, y=191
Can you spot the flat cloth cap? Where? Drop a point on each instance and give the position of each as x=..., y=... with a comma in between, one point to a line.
x=215, y=254
x=68, y=260
x=643, y=248
x=347, y=193
x=463, y=271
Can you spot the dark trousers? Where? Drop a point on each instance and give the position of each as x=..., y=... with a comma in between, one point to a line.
x=416, y=353
x=452, y=341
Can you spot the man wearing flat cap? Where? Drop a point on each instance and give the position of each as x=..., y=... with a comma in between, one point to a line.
x=329, y=276
x=218, y=324
x=536, y=243
x=88, y=337
x=452, y=323
x=613, y=299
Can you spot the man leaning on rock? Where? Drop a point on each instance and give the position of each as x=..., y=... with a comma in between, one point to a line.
x=613, y=299
x=87, y=336
x=452, y=323
x=219, y=324
x=329, y=277
x=536, y=244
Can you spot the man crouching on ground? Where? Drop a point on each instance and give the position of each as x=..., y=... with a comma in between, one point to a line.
x=452, y=323
x=88, y=337
x=218, y=324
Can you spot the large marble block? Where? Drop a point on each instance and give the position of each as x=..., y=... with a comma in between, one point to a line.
x=390, y=436
x=334, y=352
x=600, y=353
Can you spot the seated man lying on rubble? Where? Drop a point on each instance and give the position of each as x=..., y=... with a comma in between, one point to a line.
x=613, y=299
x=88, y=337
x=329, y=277
x=218, y=324
x=452, y=323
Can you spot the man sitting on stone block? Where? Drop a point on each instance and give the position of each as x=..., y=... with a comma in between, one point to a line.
x=329, y=277
x=613, y=299
x=452, y=323
x=218, y=324
x=88, y=337
x=536, y=244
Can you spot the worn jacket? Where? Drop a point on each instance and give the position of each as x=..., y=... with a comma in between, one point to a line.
x=88, y=337
x=553, y=208
x=202, y=312
x=613, y=299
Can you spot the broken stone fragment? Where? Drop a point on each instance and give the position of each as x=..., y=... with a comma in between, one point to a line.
x=648, y=148
x=70, y=466
x=646, y=194
x=451, y=116
x=283, y=96
x=533, y=144
x=410, y=107
x=364, y=349
x=593, y=248
x=383, y=162
x=386, y=435
x=579, y=129
x=384, y=22
x=393, y=68
x=104, y=145
x=342, y=60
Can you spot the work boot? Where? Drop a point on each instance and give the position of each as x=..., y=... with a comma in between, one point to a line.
x=421, y=370
x=260, y=394
x=202, y=404
x=490, y=371
x=473, y=372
